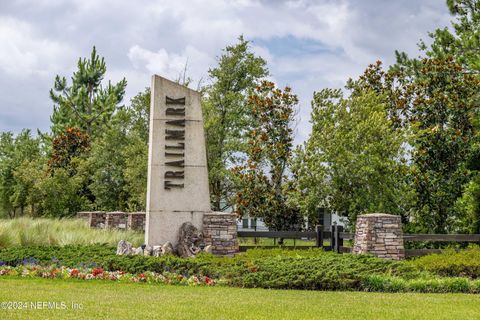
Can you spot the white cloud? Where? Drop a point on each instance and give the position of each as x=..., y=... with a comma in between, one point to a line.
x=23, y=53
x=42, y=38
x=171, y=65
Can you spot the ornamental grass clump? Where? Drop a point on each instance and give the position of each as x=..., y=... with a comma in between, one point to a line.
x=59, y=232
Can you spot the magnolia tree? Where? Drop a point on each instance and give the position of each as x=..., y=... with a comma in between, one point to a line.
x=265, y=191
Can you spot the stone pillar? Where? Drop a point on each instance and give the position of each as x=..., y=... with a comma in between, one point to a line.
x=177, y=184
x=220, y=231
x=96, y=219
x=116, y=219
x=379, y=234
x=136, y=221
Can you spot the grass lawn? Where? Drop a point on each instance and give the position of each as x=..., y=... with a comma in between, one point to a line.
x=113, y=300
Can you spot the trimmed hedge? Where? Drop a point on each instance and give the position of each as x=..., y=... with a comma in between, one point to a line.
x=425, y=285
x=308, y=269
x=280, y=269
x=450, y=263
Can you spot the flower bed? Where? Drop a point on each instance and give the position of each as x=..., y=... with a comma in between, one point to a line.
x=55, y=272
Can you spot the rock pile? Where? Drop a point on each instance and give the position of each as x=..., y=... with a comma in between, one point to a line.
x=190, y=243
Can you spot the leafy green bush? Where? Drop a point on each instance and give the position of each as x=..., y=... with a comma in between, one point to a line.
x=306, y=269
x=450, y=263
x=281, y=269
x=385, y=283
x=325, y=271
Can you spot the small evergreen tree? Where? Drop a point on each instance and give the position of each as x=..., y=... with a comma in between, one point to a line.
x=85, y=104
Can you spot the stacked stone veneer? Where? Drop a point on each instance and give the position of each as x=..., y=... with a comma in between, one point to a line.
x=220, y=231
x=116, y=220
x=379, y=234
x=83, y=215
x=136, y=221
x=96, y=219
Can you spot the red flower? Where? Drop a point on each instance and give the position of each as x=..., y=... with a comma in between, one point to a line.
x=74, y=273
x=209, y=282
x=97, y=271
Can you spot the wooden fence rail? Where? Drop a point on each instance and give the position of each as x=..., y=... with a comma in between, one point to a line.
x=336, y=236
x=436, y=238
x=278, y=234
x=442, y=237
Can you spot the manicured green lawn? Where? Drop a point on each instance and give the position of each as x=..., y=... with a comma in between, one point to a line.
x=113, y=300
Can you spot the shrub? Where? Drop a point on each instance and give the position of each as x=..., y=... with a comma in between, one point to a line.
x=306, y=269
x=449, y=263
x=280, y=269
x=325, y=271
x=385, y=283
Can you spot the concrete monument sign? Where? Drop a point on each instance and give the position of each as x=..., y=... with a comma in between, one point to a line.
x=177, y=187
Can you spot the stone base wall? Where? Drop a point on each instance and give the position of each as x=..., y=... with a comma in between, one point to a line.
x=116, y=220
x=83, y=215
x=379, y=234
x=96, y=219
x=136, y=221
x=220, y=231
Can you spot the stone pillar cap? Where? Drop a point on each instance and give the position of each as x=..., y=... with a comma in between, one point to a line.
x=219, y=213
x=373, y=215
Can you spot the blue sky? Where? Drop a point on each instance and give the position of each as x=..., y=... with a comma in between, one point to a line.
x=309, y=45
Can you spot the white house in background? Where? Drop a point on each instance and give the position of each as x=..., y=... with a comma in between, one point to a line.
x=248, y=223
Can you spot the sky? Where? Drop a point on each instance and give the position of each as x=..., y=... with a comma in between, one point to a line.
x=308, y=45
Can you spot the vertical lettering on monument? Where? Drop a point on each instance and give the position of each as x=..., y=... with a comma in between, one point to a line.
x=174, y=142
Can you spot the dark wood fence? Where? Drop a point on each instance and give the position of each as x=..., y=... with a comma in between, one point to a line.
x=436, y=238
x=336, y=237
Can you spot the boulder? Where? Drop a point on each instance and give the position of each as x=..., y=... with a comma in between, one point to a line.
x=124, y=248
x=208, y=249
x=157, y=251
x=138, y=251
x=148, y=251
x=189, y=240
x=167, y=248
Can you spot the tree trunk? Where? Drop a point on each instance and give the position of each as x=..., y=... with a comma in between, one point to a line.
x=217, y=196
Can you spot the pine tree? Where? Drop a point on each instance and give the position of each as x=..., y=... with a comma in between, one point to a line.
x=85, y=104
